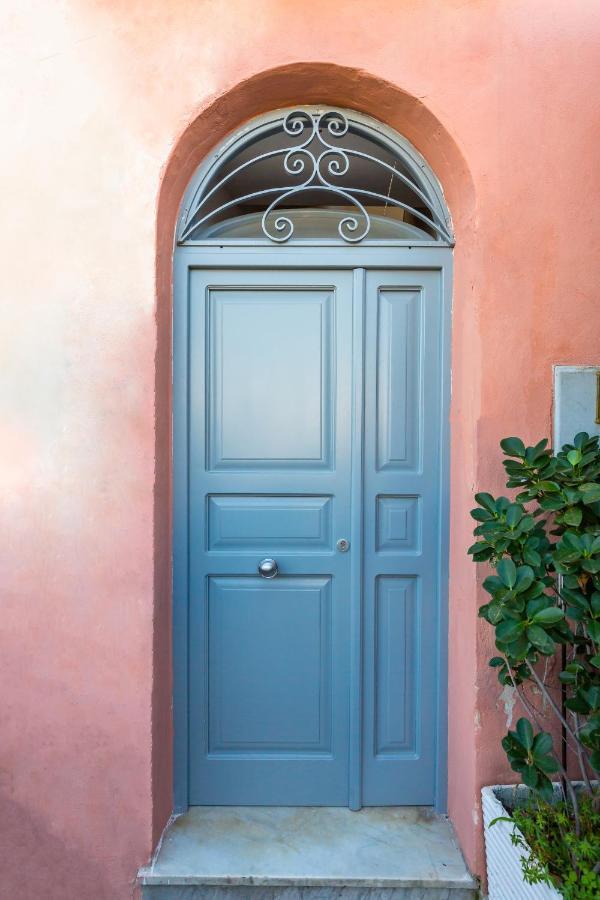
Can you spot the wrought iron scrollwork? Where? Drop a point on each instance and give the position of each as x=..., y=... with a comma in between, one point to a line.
x=320, y=163
x=317, y=161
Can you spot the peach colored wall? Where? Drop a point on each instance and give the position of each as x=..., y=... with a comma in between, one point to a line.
x=98, y=116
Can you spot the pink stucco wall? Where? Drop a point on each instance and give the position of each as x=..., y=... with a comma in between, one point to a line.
x=106, y=107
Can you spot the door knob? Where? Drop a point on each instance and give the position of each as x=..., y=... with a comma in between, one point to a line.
x=268, y=568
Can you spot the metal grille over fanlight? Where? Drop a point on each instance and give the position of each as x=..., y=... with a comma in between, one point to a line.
x=324, y=159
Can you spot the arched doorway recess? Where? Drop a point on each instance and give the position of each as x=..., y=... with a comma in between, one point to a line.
x=311, y=387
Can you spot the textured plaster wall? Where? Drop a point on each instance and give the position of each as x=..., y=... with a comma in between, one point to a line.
x=97, y=111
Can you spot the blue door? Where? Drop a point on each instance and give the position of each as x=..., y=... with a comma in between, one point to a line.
x=270, y=473
x=403, y=499
x=313, y=490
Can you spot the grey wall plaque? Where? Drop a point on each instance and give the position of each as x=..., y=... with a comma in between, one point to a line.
x=576, y=402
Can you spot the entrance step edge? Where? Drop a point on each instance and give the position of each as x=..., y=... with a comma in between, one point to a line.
x=308, y=853
x=239, y=892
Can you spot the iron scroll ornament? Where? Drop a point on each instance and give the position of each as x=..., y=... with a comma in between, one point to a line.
x=317, y=160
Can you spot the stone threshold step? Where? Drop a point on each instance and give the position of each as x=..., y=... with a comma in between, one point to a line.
x=240, y=892
x=308, y=853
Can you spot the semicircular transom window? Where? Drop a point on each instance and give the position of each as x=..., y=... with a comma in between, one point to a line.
x=315, y=174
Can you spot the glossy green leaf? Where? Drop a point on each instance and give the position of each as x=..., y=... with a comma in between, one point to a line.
x=542, y=744
x=494, y=613
x=524, y=579
x=550, y=487
x=578, y=705
x=514, y=514
x=546, y=764
x=549, y=616
x=532, y=558
x=536, y=604
x=573, y=516
x=572, y=541
x=524, y=733
x=581, y=438
x=492, y=584
x=518, y=649
x=552, y=503
x=592, y=696
x=527, y=523
x=507, y=572
x=509, y=630
x=536, y=589
x=513, y=446
x=481, y=515
x=541, y=639
x=539, y=448
x=593, y=628
x=487, y=501
x=590, y=492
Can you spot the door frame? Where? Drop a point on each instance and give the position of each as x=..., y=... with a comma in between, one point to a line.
x=396, y=255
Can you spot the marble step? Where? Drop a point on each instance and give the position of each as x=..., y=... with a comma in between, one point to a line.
x=340, y=892
x=240, y=892
x=308, y=853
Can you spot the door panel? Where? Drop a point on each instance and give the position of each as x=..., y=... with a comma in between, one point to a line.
x=243, y=522
x=402, y=494
x=269, y=666
x=396, y=630
x=399, y=328
x=398, y=524
x=269, y=351
x=270, y=391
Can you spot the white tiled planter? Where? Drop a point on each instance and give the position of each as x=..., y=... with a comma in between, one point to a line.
x=503, y=859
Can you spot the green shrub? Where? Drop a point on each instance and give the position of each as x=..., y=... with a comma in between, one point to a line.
x=549, y=831
x=544, y=545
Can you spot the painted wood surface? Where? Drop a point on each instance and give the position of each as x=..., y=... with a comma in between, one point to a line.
x=270, y=466
x=313, y=412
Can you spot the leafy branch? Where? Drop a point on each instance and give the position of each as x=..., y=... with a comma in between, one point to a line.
x=544, y=547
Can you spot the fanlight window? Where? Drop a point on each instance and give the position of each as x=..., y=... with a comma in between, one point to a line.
x=315, y=174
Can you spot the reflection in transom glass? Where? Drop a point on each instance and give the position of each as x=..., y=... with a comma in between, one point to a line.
x=315, y=174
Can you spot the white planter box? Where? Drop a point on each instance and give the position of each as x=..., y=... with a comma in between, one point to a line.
x=503, y=859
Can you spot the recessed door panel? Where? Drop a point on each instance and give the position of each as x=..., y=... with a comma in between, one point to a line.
x=250, y=523
x=269, y=375
x=398, y=524
x=399, y=360
x=269, y=670
x=396, y=662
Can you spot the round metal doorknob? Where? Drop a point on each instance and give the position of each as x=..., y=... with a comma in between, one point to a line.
x=268, y=568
